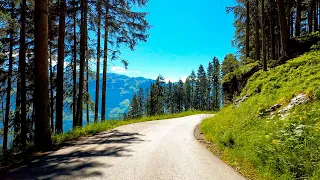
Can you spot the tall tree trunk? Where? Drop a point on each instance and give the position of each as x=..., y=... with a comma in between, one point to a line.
x=17, y=117
x=84, y=6
x=105, y=61
x=318, y=12
x=247, y=29
x=289, y=14
x=283, y=27
x=51, y=89
x=272, y=34
x=315, y=16
x=96, y=107
x=22, y=73
x=8, y=102
x=291, y=24
x=310, y=13
x=264, y=60
x=87, y=90
x=42, y=123
x=74, y=66
x=50, y=69
x=257, y=35
x=60, y=68
x=298, y=18
x=279, y=47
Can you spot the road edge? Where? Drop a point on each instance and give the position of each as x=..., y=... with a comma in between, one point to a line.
x=199, y=136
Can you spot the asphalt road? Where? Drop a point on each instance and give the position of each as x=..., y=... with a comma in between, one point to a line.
x=153, y=150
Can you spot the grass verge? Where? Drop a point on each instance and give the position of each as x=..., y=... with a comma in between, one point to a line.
x=270, y=148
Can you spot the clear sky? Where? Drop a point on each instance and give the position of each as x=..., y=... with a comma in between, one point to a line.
x=185, y=34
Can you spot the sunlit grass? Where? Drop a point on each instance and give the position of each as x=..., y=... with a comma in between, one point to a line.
x=92, y=129
x=265, y=148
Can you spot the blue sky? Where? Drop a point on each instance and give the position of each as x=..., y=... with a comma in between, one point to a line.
x=184, y=35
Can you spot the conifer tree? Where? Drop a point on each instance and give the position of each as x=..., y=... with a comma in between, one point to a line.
x=216, y=84
x=180, y=96
x=193, y=78
x=170, y=98
x=42, y=123
x=134, y=107
x=60, y=67
x=188, y=94
x=201, y=89
x=140, y=97
x=210, y=85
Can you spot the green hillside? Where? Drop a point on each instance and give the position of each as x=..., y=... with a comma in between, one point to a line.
x=263, y=144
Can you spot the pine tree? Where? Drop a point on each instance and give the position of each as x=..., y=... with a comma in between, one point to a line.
x=257, y=34
x=22, y=74
x=134, y=107
x=216, y=84
x=9, y=82
x=148, y=102
x=229, y=64
x=264, y=60
x=42, y=123
x=125, y=27
x=169, y=98
x=96, y=107
x=193, y=78
x=188, y=94
x=180, y=96
x=74, y=68
x=247, y=28
x=283, y=27
x=210, y=85
x=105, y=62
x=140, y=97
x=201, y=89
x=60, y=68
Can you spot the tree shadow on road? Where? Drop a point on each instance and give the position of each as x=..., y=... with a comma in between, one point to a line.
x=77, y=159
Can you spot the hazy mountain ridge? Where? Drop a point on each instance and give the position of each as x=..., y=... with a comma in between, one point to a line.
x=120, y=89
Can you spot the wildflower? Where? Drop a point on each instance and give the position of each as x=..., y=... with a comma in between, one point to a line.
x=275, y=141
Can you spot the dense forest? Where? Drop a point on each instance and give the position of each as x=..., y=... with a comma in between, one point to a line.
x=46, y=51
x=265, y=129
x=267, y=34
x=201, y=91
x=266, y=29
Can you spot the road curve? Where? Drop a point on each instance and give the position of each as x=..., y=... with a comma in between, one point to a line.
x=152, y=150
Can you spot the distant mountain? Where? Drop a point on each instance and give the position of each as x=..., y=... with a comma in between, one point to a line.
x=120, y=89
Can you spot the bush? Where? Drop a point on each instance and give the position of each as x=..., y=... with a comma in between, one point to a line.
x=232, y=83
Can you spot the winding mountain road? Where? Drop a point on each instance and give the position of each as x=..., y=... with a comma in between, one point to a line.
x=165, y=149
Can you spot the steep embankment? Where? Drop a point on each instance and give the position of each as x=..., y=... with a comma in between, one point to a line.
x=259, y=141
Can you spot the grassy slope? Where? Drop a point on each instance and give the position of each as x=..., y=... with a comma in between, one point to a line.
x=93, y=129
x=266, y=148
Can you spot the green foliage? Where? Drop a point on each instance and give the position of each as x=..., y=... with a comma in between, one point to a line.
x=229, y=64
x=232, y=83
x=240, y=72
x=316, y=47
x=304, y=43
x=308, y=37
x=93, y=129
x=270, y=148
